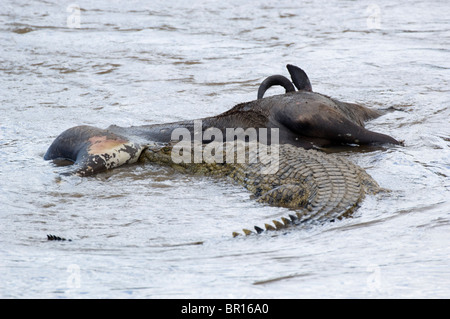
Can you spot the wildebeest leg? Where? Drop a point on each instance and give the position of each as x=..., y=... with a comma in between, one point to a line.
x=328, y=124
x=345, y=131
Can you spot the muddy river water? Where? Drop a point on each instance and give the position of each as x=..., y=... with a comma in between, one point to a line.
x=144, y=231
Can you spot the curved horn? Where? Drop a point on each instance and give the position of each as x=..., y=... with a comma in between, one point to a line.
x=275, y=80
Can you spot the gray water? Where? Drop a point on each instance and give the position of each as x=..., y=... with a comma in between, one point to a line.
x=144, y=231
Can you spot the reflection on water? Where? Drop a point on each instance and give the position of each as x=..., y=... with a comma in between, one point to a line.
x=149, y=231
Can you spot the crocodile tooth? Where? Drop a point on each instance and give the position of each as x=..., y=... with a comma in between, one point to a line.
x=235, y=234
x=247, y=232
x=259, y=230
x=278, y=225
x=269, y=227
x=293, y=218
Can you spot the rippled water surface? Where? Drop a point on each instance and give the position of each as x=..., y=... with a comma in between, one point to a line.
x=145, y=231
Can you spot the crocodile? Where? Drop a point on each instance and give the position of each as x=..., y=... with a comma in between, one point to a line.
x=316, y=185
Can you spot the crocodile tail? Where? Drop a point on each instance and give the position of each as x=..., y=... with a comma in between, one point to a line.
x=334, y=187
